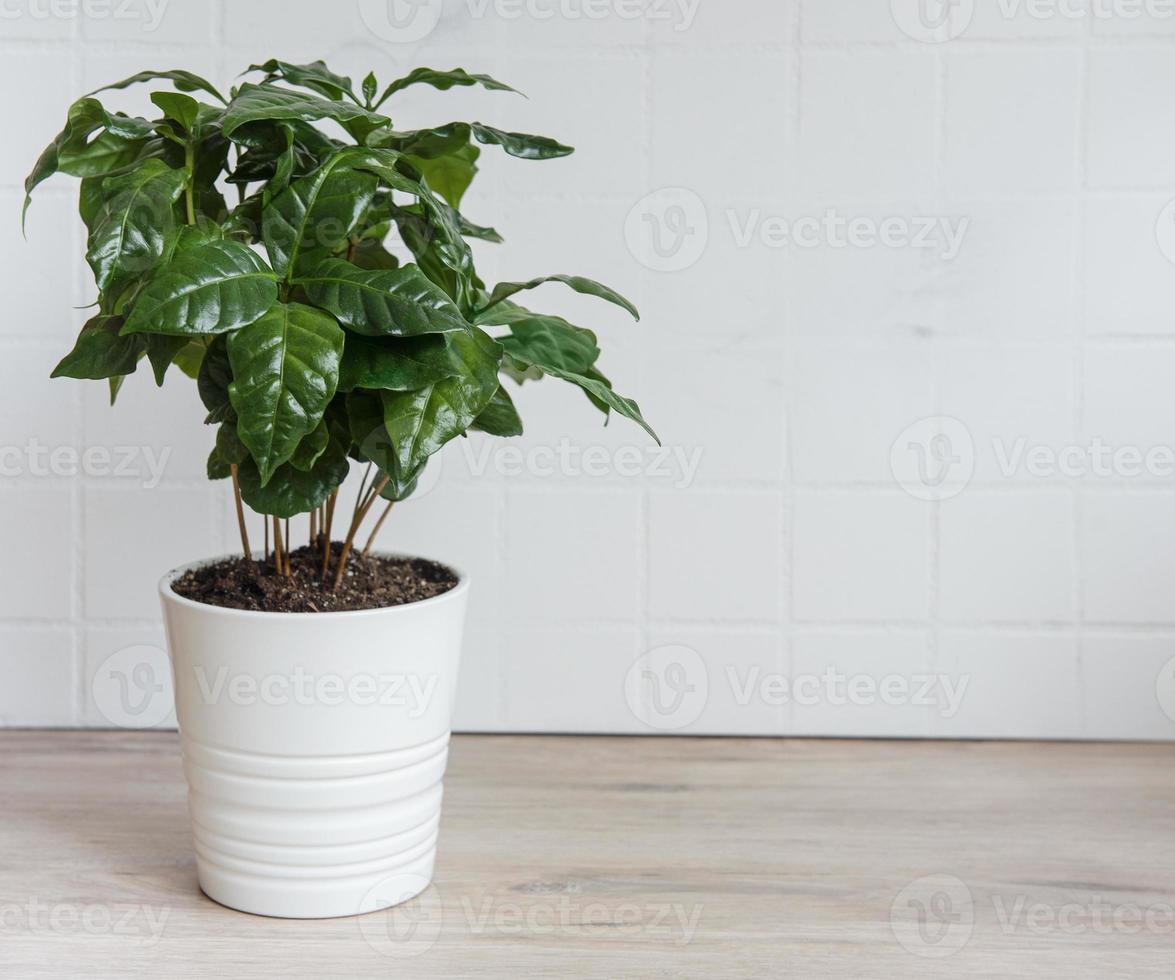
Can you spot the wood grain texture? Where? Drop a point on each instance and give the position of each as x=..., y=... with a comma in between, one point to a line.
x=619, y=857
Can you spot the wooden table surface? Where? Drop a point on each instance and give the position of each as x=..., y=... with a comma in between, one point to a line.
x=622, y=857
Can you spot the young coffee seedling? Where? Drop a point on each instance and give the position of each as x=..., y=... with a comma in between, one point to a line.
x=312, y=344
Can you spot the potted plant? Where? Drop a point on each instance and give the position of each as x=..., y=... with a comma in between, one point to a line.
x=314, y=682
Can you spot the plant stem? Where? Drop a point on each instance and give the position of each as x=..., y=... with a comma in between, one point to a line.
x=353, y=530
x=240, y=513
x=362, y=495
x=277, y=545
x=289, y=548
x=375, y=530
x=330, y=520
x=265, y=523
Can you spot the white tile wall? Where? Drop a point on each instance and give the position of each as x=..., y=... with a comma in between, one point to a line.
x=798, y=524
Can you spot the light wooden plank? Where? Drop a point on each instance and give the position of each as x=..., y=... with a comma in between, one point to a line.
x=619, y=857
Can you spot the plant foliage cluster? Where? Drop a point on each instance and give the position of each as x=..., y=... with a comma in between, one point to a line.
x=312, y=342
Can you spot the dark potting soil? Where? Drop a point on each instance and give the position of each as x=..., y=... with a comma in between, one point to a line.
x=368, y=583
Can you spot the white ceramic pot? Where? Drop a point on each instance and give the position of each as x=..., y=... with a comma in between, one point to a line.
x=314, y=745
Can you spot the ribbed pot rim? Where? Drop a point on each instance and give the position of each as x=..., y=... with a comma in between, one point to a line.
x=170, y=595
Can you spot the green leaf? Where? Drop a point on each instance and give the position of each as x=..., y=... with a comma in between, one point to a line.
x=402, y=487
x=604, y=393
x=216, y=374
x=254, y=103
x=291, y=491
x=588, y=287
x=100, y=352
x=370, y=254
x=212, y=288
x=396, y=364
x=190, y=357
x=549, y=341
x=314, y=214
x=442, y=140
x=312, y=446
x=161, y=352
x=450, y=175
x=470, y=230
x=285, y=372
x=232, y=450
x=421, y=422
x=499, y=417
x=442, y=80
x=136, y=216
x=185, y=81
x=521, y=145
x=182, y=109
x=399, y=302
x=124, y=140
x=314, y=76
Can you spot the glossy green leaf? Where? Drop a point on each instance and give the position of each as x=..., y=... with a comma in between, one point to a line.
x=396, y=364
x=402, y=487
x=216, y=374
x=397, y=302
x=421, y=422
x=370, y=87
x=604, y=393
x=589, y=287
x=212, y=288
x=291, y=491
x=190, y=357
x=285, y=371
x=499, y=417
x=136, y=216
x=161, y=352
x=370, y=254
x=442, y=140
x=77, y=152
x=314, y=76
x=312, y=446
x=549, y=341
x=178, y=107
x=228, y=441
x=185, y=81
x=522, y=145
x=100, y=352
x=450, y=175
x=271, y=103
x=443, y=80
x=313, y=215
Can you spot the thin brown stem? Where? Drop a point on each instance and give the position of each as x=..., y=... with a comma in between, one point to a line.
x=362, y=495
x=289, y=548
x=375, y=530
x=354, y=529
x=265, y=524
x=240, y=513
x=330, y=521
x=313, y=526
x=277, y=545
